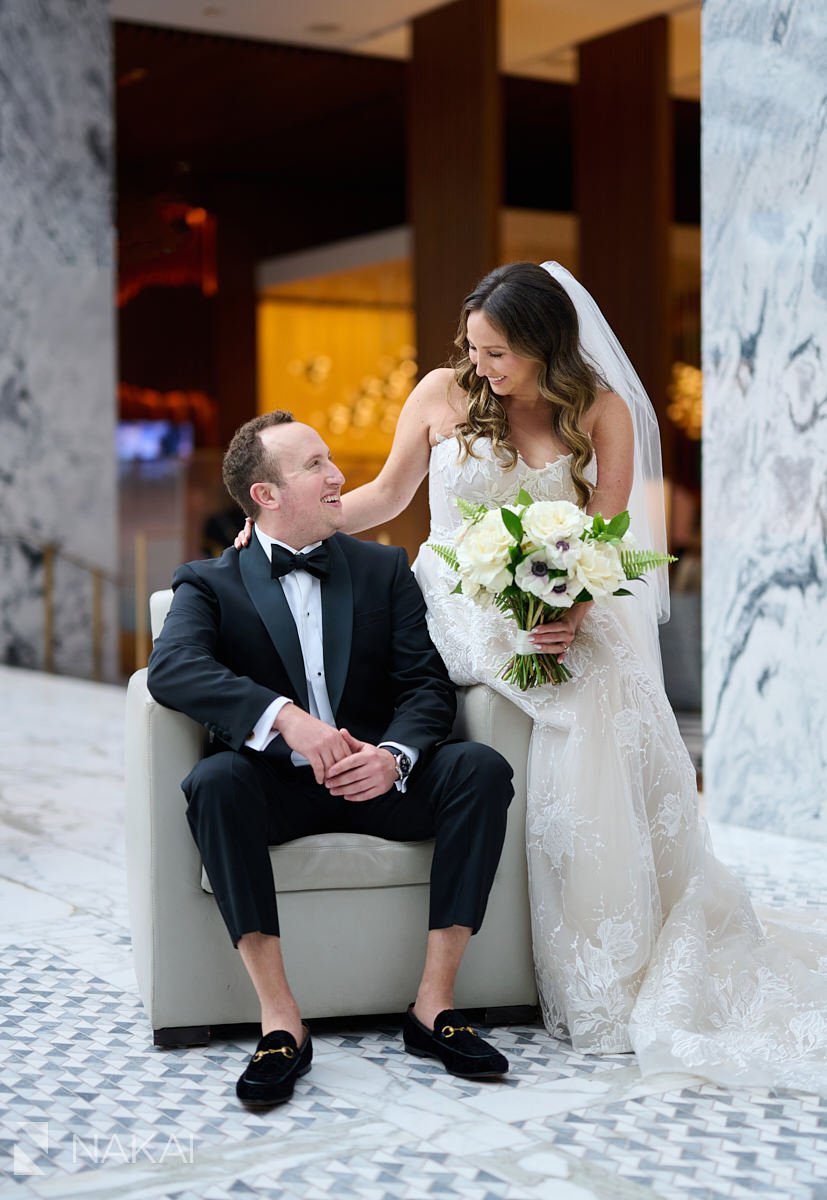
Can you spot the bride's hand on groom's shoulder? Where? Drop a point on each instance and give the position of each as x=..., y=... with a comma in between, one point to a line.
x=242, y=538
x=369, y=771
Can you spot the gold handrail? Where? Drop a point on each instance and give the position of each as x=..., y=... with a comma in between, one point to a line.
x=51, y=552
x=25, y=539
x=143, y=638
x=97, y=624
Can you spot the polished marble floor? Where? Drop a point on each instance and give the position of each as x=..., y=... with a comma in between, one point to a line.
x=88, y=1108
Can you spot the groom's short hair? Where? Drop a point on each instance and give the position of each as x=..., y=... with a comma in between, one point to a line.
x=247, y=460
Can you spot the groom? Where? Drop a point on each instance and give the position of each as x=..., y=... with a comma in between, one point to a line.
x=306, y=656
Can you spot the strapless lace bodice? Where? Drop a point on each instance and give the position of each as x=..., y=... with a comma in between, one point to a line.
x=481, y=479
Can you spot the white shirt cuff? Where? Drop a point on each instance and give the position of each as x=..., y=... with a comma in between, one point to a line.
x=402, y=784
x=263, y=732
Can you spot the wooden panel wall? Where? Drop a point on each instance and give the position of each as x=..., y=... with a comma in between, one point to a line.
x=624, y=193
x=454, y=165
x=234, y=346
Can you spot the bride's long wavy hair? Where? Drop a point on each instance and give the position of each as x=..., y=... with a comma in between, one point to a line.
x=540, y=323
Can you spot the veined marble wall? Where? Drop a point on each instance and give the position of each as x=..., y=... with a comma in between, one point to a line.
x=57, y=333
x=765, y=422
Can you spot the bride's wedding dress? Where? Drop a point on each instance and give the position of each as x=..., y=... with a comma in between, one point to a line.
x=643, y=941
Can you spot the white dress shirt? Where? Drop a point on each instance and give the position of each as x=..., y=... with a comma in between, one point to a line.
x=303, y=593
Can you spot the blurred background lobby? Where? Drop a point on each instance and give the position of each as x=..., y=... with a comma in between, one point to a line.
x=209, y=210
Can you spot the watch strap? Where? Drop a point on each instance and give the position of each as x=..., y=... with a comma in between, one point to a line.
x=400, y=756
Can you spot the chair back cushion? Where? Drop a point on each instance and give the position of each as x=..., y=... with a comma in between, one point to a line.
x=159, y=603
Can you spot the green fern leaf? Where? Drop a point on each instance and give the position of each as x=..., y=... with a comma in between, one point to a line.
x=636, y=562
x=448, y=554
x=469, y=511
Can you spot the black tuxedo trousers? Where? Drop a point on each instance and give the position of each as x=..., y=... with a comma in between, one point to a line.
x=239, y=803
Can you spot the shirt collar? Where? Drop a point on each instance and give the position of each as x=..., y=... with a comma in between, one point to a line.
x=267, y=542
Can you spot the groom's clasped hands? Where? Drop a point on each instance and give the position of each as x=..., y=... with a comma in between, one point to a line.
x=354, y=770
x=367, y=772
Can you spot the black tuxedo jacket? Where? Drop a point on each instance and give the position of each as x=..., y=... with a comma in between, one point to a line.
x=229, y=647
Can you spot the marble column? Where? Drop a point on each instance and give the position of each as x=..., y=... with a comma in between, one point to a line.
x=765, y=423
x=57, y=372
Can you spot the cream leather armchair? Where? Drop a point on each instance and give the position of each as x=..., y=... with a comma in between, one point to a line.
x=353, y=909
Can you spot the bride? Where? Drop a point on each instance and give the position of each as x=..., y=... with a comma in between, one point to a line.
x=643, y=941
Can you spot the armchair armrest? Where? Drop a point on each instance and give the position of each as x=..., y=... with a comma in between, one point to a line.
x=485, y=716
x=162, y=860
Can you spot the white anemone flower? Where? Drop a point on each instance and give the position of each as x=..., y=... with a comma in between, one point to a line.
x=533, y=576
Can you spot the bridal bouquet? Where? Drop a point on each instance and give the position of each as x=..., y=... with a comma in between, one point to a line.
x=535, y=560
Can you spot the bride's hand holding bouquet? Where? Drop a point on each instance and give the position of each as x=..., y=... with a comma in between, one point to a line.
x=535, y=562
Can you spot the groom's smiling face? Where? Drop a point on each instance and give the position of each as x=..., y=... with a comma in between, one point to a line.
x=306, y=505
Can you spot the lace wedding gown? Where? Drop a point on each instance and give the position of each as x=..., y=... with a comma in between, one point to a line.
x=643, y=941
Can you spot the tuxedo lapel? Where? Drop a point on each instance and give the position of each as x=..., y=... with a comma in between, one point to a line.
x=268, y=597
x=337, y=622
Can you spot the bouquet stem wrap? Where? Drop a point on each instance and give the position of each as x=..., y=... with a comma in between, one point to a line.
x=523, y=643
x=527, y=668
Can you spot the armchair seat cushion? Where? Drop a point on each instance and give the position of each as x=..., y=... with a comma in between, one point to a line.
x=326, y=861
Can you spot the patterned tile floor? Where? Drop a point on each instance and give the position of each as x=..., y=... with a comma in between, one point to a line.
x=88, y=1108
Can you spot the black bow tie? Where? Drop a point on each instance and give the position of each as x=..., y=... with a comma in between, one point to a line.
x=283, y=561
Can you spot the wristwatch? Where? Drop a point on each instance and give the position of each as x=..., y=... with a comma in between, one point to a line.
x=403, y=762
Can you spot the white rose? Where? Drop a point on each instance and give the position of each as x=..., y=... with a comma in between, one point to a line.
x=470, y=586
x=483, y=553
x=598, y=569
x=532, y=576
x=551, y=521
x=492, y=579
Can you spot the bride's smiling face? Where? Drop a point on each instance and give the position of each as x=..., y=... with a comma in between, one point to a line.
x=508, y=374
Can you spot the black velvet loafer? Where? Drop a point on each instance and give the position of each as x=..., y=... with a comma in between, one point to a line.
x=458, y=1047
x=274, y=1068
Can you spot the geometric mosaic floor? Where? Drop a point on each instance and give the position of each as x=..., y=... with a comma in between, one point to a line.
x=89, y=1108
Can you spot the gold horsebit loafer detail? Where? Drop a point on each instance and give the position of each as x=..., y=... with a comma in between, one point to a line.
x=460, y=1048
x=287, y=1051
